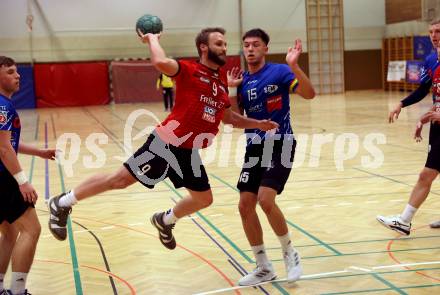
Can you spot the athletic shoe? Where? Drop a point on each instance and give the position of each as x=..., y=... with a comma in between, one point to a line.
x=165, y=231
x=262, y=273
x=5, y=292
x=435, y=224
x=293, y=265
x=58, y=218
x=395, y=223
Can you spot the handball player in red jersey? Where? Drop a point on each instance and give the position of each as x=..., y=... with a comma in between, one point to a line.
x=171, y=150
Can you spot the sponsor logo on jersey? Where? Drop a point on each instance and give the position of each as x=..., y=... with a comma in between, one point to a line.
x=251, y=82
x=270, y=89
x=205, y=80
x=211, y=101
x=256, y=108
x=202, y=72
x=209, y=114
x=3, y=117
x=274, y=103
x=222, y=88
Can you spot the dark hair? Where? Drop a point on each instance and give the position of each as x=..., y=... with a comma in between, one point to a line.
x=203, y=36
x=6, y=61
x=435, y=22
x=259, y=33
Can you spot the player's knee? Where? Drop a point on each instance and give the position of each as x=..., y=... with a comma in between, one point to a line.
x=427, y=177
x=206, y=201
x=246, y=207
x=33, y=231
x=9, y=235
x=266, y=205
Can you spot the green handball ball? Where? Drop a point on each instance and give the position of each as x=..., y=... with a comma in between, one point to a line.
x=149, y=24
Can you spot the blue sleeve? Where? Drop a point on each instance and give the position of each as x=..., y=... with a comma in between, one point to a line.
x=6, y=115
x=417, y=95
x=288, y=79
x=425, y=77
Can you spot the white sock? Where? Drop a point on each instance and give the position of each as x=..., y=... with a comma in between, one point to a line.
x=68, y=200
x=260, y=255
x=18, y=282
x=169, y=217
x=286, y=243
x=2, y=277
x=408, y=213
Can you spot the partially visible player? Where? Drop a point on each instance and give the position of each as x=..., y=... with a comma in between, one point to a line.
x=19, y=225
x=172, y=149
x=264, y=94
x=430, y=78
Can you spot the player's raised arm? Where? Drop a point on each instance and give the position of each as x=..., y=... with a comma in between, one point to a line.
x=160, y=61
x=305, y=88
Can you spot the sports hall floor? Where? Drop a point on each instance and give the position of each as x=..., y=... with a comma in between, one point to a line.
x=113, y=249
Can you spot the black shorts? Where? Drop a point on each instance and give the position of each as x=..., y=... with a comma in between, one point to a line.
x=271, y=169
x=156, y=160
x=433, y=159
x=12, y=204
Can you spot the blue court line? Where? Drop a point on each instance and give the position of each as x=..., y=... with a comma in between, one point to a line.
x=76, y=274
x=322, y=243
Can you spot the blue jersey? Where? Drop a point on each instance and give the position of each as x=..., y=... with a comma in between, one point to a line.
x=265, y=95
x=429, y=67
x=9, y=121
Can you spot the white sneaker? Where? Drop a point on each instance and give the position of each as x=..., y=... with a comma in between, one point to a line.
x=292, y=261
x=262, y=273
x=395, y=223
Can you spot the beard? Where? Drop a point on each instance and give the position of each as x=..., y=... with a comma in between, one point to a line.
x=216, y=58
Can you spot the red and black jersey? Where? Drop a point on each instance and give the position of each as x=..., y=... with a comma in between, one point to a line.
x=201, y=99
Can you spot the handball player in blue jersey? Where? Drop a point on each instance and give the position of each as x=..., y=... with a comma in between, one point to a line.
x=430, y=78
x=19, y=225
x=263, y=93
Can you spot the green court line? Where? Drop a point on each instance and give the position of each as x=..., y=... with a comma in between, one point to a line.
x=217, y=230
x=366, y=253
x=389, y=284
x=354, y=242
x=322, y=243
x=381, y=290
x=76, y=274
x=367, y=274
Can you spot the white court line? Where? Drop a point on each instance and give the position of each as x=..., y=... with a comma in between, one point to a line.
x=108, y=227
x=350, y=269
x=270, y=282
x=322, y=205
x=397, y=200
x=371, y=202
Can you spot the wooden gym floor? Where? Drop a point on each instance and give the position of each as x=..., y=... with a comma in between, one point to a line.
x=113, y=249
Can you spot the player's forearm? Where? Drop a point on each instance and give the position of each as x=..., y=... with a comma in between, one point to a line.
x=10, y=160
x=239, y=121
x=28, y=149
x=305, y=88
x=417, y=95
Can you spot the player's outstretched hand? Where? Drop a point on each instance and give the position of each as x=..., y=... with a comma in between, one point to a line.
x=394, y=114
x=293, y=53
x=267, y=125
x=418, y=133
x=235, y=76
x=49, y=154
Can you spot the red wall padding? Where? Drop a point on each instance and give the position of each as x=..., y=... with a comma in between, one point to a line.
x=71, y=84
x=134, y=81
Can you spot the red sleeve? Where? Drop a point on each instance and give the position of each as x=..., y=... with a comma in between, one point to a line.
x=184, y=69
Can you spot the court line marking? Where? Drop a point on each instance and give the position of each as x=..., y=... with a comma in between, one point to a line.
x=350, y=269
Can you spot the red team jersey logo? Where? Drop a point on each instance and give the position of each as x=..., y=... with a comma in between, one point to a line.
x=201, y=99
